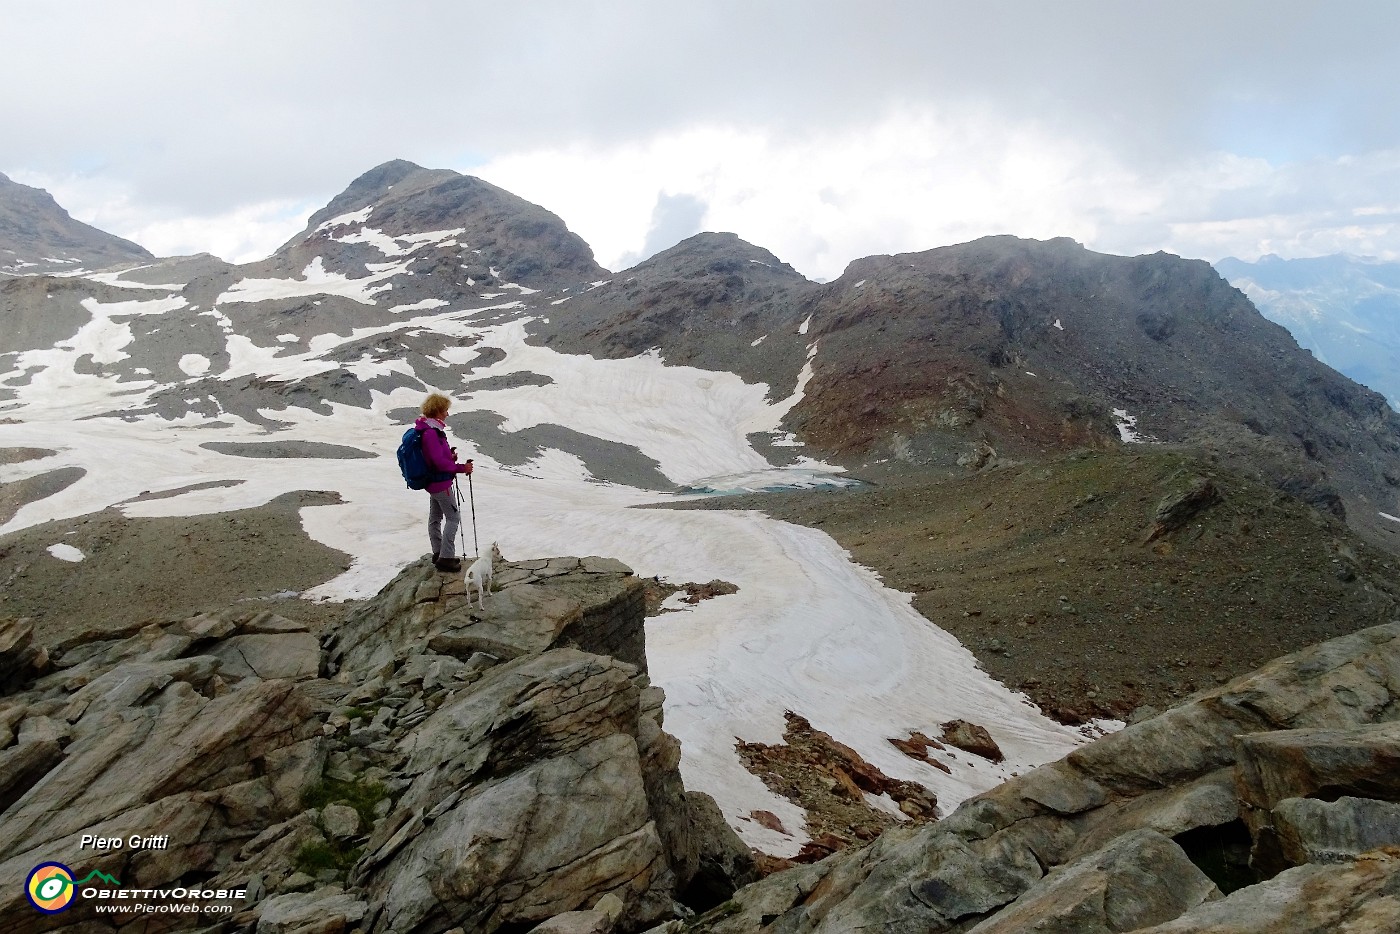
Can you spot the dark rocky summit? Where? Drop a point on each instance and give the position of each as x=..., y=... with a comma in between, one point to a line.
x=703, y=302
x=38, y=236
x=1011, y=349
x=426, y=766
x=523, y=242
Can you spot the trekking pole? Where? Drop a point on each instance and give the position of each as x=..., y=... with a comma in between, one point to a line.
x=461, y=532
x=472, y=494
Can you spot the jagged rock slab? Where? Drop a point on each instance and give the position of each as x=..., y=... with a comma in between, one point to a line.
x=497, y=857
x=1359, y=898
x=1312, y=831
x=321, y=912
x=1141, y=878
x=202, y=770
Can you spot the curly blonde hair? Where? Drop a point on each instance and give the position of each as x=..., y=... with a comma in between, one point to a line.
x=436, y=405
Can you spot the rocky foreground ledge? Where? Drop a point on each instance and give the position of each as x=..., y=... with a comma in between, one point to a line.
x=1271, y=804
x=433, y=766
x=429, y=765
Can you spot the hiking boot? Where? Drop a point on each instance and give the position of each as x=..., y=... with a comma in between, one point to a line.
x=448, y=565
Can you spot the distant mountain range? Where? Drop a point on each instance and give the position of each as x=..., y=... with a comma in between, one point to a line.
x=1345, y=309
x=956, y=357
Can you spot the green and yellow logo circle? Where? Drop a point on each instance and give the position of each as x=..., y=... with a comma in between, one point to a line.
x=50, y=887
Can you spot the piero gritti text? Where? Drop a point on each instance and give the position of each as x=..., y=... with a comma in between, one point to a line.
x=134, y=842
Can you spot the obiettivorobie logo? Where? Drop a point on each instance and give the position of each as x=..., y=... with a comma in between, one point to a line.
x=53, y=887
x=50, y=886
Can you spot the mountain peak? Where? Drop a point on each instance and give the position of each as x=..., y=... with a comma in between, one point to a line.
x=399, y=200
x=38, y=236
x=710, y=248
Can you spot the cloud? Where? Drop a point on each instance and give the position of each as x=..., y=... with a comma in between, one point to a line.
x=674, y=218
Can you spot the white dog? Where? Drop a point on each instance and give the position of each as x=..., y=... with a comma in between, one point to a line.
x=482, y=570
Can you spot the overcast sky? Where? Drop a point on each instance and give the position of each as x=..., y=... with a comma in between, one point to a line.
x=824, y=131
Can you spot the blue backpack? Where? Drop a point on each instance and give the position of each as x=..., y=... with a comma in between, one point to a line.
x=414, y=465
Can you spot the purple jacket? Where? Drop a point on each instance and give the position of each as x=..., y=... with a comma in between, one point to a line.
x=437, y=452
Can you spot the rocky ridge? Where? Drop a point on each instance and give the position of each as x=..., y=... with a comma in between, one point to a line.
x=1343, y=308
x=426, y=765
x=38, y=236
x=1268, y=804
x=1011, y=349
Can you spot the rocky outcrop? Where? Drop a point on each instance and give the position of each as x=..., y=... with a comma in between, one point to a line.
x=1144, y=829
x=430, y=765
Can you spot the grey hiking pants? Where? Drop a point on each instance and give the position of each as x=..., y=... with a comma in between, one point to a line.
x=444, y=518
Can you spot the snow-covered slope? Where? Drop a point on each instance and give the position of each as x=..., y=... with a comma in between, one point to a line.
x=144, y=379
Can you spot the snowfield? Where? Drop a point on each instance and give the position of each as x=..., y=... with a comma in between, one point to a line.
x=808, y=631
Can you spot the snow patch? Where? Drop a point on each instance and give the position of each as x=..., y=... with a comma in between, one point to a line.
x=802, y=328
x=344, y=220
x=858, y=284
x=114, y=278
x=759, y=341
x=424, y=305
x=316, y=281
x=1386, y=515
x=1127, y=427
x=1058, y=325
x=66, y=553
x=194, y=364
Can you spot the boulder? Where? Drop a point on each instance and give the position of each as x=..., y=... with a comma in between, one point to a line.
x=209, y=773
x=521, y=620
x=520, y=712
x=1139, y=879
x=22, y=766
x=1173, y=774
x=1357, y=898
x=1325, y=763
x=969, y=737
x=592, y=921
x=294, y=655
x=1312, y=831
x=340, y=821
x=1360, y=761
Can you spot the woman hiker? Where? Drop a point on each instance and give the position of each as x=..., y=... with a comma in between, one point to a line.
x=444, y=518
